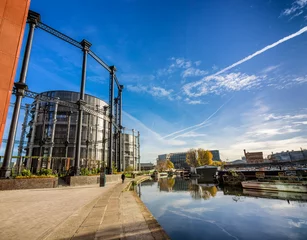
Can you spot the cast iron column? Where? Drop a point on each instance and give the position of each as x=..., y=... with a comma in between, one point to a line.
x=22, y=138
x=111, y=102
x=119, y=121
x=68, y=133
x=104, y=140
x=5, y=170
x=139, y=156
x=86, y=45
x=123, y=154
x=133, y=149
x=54, y=120
x=34, y=124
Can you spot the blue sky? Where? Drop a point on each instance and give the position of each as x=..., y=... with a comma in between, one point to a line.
x=172, y=57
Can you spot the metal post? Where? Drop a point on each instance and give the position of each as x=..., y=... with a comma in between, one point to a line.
x=119, y=121
x=116, y=135
x=86, y=45
x=22, y=138
x=96, y=135
x=111, y=102
x=87, y=138
x=104, y=140
x=139, y=156
x=68, y=133
x=124, y=159
x=52, y=135
x=133, y=150
x=34, y=125
x=5, y=170
x=42, y=141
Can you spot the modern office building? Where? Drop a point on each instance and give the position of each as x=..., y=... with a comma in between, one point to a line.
x=216, y=155
x=52, y=130
x=179, y=159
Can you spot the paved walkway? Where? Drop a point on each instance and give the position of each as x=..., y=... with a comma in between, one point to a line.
x=76, y=213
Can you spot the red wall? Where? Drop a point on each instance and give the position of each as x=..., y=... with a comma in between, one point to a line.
x=13, y=16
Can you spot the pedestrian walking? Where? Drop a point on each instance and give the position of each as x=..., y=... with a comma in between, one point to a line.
x=123, y=178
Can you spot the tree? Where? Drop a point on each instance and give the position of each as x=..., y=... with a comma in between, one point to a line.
x=161, y=165
x=191, y=158
x=204, y=157
x=169, y=164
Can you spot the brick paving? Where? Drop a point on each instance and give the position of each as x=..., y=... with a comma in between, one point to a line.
x=77, y=213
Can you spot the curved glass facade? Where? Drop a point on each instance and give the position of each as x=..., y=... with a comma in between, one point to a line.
x=43, y=128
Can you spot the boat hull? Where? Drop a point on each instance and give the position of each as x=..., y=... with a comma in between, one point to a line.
x=276, y=186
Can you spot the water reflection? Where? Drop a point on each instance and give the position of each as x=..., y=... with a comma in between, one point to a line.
x=208, y=211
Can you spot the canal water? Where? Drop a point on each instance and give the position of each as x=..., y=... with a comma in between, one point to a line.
x=189, y=209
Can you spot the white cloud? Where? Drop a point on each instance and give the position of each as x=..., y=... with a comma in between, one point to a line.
x=298, y=224
x=152, y=90
x=214, y=67
x=197, y=63
x=193, y=102
x=192, y=134
x=295, y=9
x=192, y=72
x=176, y=64
x=268, y=47
x=227, y=82
x=270, y=69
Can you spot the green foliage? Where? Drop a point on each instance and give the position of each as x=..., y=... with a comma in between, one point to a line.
x=45, y=172
x=192, y=159
x=161, y=165
x=95, y=171
x=169, y=164
x=84, y=172
x=26, y=173
x=204, y=157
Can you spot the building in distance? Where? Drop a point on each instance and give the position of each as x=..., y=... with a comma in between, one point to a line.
x=253, y=157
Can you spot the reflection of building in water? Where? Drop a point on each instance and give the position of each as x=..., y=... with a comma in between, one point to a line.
x=173, y=184
x=200, y=191
x=166, y=184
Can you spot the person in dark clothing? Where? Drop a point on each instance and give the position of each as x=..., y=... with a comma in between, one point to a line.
x=123, y=177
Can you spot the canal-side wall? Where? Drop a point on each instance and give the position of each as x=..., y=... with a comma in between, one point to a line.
x=28, y=183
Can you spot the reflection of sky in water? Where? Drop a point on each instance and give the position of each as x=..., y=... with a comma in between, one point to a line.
x=225, y=216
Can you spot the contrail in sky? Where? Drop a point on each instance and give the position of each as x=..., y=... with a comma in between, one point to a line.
x=197, y=125
x=301, y=31
x=304, y=29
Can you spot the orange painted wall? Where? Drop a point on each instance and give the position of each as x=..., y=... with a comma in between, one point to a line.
x=13, y=16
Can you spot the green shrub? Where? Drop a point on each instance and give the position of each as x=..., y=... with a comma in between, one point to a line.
x=84, y=172
x=95, y=171
x=45, y=172
x=26, y=173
